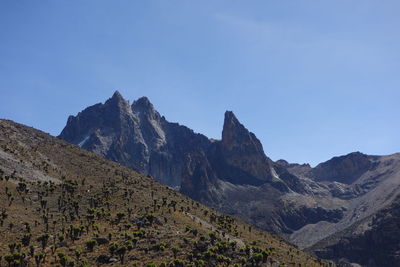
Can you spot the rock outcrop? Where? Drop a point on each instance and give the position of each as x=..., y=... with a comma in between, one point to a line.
x=241, y=149
x=372, y=242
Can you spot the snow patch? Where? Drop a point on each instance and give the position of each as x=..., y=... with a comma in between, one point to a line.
x=277, y=178
x=80, y=144
x=159, y=131
x=275, y=175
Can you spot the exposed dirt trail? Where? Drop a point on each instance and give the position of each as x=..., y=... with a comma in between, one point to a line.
x=227, y=237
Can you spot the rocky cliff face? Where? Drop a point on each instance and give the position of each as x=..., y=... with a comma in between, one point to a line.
x=306, y=205
x=240, y=149
x=344, y=169
x=136, y=136
x=139, y=137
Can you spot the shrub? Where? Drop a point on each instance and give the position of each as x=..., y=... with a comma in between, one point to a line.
x=175, y=250
x=112, y=248
x=43, y=240
x=26, y=239
x=91, y=244
x=121, y=253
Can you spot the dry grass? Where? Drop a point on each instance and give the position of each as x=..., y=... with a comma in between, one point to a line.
x=87, y=194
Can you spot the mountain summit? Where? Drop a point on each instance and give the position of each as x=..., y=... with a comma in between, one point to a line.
x=241, y=149
x=136, y=136
x=140, y=138
x=311, y=207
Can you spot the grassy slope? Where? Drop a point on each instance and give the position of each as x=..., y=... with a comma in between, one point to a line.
x=84, y=197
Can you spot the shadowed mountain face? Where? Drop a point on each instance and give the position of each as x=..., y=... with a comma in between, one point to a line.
x=306, y=205
x=376, y=236
x=242, y=152
x=344, y=169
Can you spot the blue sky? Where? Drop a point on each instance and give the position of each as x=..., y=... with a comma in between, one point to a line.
x=312, y=79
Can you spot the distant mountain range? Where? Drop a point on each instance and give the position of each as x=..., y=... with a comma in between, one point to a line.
x=345, y=209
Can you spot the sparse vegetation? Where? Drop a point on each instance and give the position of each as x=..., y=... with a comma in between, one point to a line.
x=82, y=210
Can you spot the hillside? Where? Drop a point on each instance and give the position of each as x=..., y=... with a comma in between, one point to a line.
x=61, y=205
x=306, y=206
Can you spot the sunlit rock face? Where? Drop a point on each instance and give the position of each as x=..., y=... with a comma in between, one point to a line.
x=136, y=136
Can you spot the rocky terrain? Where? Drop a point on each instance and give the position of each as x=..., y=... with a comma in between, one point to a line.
x=64, y=206
x=136, y=136
x=312, y=208
x=376, y=236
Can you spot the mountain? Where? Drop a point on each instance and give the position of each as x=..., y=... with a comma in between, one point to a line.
x=136, y=136
x=64, y=206
x=377, y=235
x=345, y=169
x=307, y=206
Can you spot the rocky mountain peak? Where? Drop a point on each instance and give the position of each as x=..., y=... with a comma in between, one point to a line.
x=232, y=128
x=116, y=98
x=242, y=150
x=143, y=107
x=344, y=169
x=236, y=136
x=231, y=122
x=230, y=118
x=142, y=104
x=117, y=103
x=117, y=95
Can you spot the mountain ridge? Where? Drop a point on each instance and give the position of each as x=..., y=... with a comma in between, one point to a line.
x=233, y=175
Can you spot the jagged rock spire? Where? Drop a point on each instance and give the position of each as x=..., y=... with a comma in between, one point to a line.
x=233, y=130
x=235, y=134
x=117, y=95
x=242, y=149
x=142, y=104
x=116, y=98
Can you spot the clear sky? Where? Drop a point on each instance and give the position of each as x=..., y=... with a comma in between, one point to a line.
x=312, y=79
